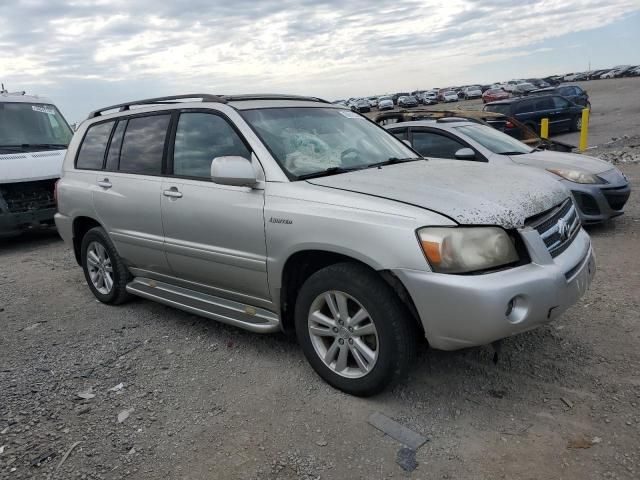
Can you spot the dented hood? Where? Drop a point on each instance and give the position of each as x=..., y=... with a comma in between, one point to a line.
x=469, y=193
x=31, y=166
x=569, y=161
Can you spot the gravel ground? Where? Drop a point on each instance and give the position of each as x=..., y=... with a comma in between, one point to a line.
x=144, y=391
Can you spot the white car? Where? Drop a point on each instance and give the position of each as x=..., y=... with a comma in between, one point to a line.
x=472, y=92
x=385, y=103
x=33, y=141
x=450, y=96
x=609, y=74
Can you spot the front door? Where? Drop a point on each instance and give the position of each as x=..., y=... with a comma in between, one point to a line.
x=214, y=234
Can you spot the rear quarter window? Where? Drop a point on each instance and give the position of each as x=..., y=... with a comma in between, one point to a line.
x=94, y=145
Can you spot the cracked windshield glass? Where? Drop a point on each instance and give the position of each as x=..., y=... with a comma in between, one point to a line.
x=311, y=140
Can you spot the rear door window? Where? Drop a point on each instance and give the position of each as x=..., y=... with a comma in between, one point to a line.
x=94, y=145
x=431, y=144
x=201, y=137
x=560, y=102
x=143, y=145
x=544, y=104
x=525, y=107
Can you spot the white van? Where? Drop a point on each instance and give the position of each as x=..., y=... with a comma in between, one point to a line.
x=33, y=142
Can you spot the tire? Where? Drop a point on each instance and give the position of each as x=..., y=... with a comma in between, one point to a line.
x=96, y=242
x=576, y=123
x=392, y=343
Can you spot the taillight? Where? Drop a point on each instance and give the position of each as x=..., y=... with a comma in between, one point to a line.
x=55, y=192
x=508, y=124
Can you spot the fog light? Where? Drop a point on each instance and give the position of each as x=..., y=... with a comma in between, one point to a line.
x=517, y=309
x=510, y=306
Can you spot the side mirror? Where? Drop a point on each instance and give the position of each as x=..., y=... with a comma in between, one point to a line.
x=465, y=154
x=234, y=171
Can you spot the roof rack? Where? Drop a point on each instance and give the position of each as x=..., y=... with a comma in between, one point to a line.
x=203, y=97
x=121, y=107
x=272, y=96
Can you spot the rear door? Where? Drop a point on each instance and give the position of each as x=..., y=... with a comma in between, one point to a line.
x=562, y=114
x=214, y=234
x=127, y=192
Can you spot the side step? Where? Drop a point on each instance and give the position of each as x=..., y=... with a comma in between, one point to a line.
x=238, y=314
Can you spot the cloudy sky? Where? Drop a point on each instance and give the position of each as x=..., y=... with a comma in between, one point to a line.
x=85, y=54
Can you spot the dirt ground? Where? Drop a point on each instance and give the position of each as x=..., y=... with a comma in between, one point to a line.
x=170, y=395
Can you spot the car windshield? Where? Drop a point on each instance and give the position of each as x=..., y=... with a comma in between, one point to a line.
x=32, y=126
x=494, y=140
x=312, y=140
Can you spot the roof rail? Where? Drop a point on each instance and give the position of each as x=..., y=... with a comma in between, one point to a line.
x=204, y=97
x=271, y=96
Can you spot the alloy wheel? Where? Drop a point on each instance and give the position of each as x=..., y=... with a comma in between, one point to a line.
x=100, y=268
x=343, y=334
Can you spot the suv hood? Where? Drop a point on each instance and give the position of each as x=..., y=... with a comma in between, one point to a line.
x=572, y=161
x=470, y=194
x=31, y=166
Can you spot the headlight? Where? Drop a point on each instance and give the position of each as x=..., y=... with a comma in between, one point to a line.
x=576, y=176
x=463, y=250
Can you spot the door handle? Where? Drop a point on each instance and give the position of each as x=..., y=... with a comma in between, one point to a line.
x=105, y=183
x=173, y=193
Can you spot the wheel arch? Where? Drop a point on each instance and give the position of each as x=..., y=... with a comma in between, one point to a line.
x=301, y=264
x=81, y=225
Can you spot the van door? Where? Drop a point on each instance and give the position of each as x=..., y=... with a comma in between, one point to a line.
x=214, y=234
x=127, y=192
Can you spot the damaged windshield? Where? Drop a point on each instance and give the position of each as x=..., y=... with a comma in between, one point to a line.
x=30, y=126
x=316, y=141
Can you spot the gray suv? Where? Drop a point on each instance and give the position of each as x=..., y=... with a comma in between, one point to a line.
x=289, y=213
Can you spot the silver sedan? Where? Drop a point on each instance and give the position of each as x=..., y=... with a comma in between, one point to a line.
x=600, y=190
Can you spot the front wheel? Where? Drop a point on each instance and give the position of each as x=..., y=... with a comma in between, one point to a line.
x=353, y=329
x=576, y=123
x=104, y=270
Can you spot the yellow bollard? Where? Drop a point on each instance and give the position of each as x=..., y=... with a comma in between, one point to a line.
x=584, y=130
x=544, y=128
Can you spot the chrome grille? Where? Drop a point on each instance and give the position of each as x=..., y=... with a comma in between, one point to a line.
x=558, y=227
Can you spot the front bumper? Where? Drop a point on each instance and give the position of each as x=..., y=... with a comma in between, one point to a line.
x=597, y=203
x=459, y=311
x=12, y=224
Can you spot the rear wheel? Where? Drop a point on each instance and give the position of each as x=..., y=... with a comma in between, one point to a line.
x=106, y=274
x=353, y=329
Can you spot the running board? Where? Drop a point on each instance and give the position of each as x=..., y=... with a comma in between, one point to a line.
x=238, y=314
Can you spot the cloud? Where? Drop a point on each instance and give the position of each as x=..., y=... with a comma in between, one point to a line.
x=311, y=46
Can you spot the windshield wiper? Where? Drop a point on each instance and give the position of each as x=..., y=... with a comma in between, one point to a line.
x=394, y=160
x=513, y=153
x=26, y=146
x=327, y=172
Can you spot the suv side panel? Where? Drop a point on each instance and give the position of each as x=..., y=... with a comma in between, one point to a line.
x=341, y=222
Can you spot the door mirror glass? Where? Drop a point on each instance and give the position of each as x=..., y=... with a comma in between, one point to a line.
x=234, y=171
x=465, y=154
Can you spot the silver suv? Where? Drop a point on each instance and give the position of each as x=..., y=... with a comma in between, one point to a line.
x=289, y=213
